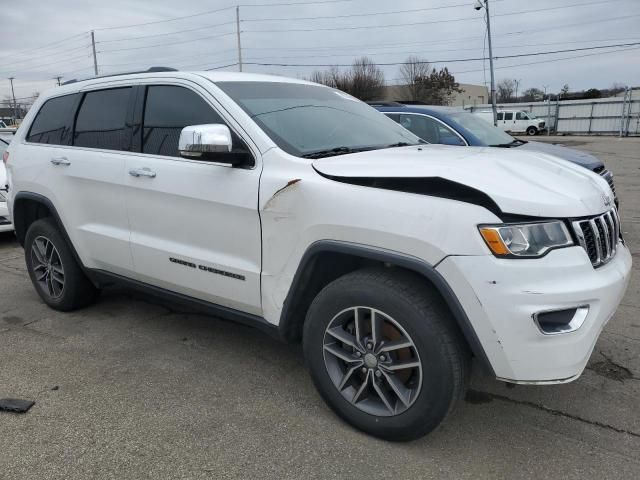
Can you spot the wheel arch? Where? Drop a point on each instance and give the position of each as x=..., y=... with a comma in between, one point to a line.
x=29, y=207
x=326, y=260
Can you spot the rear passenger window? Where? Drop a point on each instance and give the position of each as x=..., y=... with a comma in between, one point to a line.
x=101, y=119
x=167, y=111
x=500, y=116
x=508, y=115
x=52, y=124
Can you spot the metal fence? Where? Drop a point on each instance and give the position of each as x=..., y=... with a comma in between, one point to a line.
x=600, y=116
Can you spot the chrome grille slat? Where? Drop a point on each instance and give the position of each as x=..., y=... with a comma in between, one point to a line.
x=599, y=236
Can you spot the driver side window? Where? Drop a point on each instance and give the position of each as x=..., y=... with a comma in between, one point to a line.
x=167, y=110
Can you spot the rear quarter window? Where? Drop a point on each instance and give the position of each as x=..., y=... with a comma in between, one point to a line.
x=53, y=122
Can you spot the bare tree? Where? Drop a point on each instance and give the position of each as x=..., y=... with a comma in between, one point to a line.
x=505, y=90
x=365, y=80
x=413, y=72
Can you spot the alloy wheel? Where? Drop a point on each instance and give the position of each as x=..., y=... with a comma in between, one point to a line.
x=47, y=267
x=372, y=361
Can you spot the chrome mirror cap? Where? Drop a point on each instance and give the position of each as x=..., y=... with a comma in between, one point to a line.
x=196, y=140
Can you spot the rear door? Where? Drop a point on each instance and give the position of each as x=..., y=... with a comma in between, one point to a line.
x=195, y=227
x=79, y=140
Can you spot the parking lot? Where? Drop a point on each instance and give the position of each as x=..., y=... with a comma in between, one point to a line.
x=130, y=388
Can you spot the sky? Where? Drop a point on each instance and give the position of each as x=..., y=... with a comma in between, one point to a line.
x=42, y=40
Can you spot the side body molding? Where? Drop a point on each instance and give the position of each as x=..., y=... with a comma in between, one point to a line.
x=288, y=317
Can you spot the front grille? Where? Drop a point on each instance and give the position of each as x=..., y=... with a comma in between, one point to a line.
x=541, y=124
x=599, y=236
x=608, y=176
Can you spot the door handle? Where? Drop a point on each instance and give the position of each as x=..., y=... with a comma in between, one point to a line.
x=142, y=172
x=60, y=161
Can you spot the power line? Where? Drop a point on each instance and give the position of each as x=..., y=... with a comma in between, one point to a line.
x=75, y=49
x=209, y=12
x=68, y=60
x=392, y=25
x=356, y=14
x=454, y=60
x=414, y=10
x=170, y=43
x=168, y=33
x=44, y=46
x=538, y=62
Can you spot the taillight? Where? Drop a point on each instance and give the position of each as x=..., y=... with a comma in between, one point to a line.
x=5, y=157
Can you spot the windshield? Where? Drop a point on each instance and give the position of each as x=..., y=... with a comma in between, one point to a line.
x=306, y=119
x=481, y=129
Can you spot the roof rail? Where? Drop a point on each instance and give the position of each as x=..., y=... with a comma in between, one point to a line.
x=149, y=70
x=384, y=103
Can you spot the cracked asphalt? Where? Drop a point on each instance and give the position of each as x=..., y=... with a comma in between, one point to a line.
x=129, y=388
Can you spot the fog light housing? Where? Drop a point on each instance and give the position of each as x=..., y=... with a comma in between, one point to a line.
x=566, y=320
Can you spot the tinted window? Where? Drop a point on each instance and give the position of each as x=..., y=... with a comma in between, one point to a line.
x=508, y=115
x=52, y=124
x=500, y=116
x=167, y=111
x=101, y=119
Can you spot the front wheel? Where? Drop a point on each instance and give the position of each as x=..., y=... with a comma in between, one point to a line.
x=385, y=353
x=531, y=131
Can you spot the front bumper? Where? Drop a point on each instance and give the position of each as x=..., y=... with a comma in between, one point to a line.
x=501, y=296
x=5, y=222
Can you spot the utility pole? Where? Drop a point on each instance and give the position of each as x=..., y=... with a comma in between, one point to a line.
x=95, y=59
x=238, y=35
x=58, y=79
x=479, y=5
x=13, y=95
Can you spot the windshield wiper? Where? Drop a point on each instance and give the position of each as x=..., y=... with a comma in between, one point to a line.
x=399, y=144
x=334, y=151
x=515, y=143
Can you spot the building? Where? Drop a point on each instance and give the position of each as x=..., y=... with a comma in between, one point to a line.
x=471, y=95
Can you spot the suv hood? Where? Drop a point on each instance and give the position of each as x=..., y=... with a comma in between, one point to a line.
x=519, y=182
x=572, y=155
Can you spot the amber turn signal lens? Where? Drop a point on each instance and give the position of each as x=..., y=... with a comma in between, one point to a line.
x=494, y=241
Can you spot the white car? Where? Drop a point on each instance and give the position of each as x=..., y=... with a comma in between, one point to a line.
x=514, y=121
x=5, y=222
x=300, y=210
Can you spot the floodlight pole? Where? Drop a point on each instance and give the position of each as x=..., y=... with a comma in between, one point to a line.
x=485, y=4
x=238, y=36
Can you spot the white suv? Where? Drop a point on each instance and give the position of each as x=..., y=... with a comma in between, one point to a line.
x=300, y=210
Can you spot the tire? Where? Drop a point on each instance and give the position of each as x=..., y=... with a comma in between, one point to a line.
x=405, y=308
x=53, y=270
x=532, y=131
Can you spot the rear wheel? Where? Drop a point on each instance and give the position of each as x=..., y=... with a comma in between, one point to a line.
x=531, y=131
x=54, y=272
x=385, y=353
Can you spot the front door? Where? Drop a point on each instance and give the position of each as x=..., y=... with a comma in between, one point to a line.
x=195, y=227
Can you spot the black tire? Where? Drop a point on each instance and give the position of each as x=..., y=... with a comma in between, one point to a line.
x=425, y=318
x=77, y=290
x=532, y=131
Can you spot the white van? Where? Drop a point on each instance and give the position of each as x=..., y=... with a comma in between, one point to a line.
x=517, y=121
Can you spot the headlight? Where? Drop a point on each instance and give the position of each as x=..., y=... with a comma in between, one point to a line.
x=528, y=240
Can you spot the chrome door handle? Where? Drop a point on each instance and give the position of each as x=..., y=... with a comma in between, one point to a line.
x=142, y=172
x=60, y=161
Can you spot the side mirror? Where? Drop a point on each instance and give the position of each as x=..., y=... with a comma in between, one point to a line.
x=200, y=141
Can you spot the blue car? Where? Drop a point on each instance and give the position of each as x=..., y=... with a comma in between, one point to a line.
x=454, y=126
